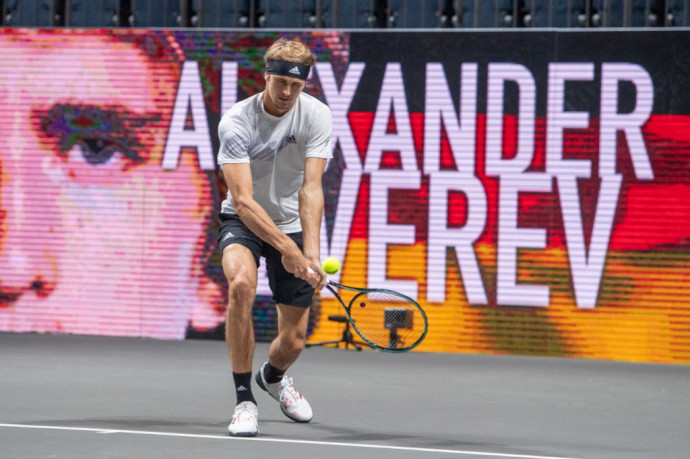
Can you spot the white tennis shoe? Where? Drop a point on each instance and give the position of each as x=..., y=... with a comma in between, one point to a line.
x=291, y=402
x=245, y=420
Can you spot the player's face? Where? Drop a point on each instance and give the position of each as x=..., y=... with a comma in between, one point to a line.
x=281, y=93
x=95, y=237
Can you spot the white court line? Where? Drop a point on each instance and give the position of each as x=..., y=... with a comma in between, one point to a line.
x=281, y=440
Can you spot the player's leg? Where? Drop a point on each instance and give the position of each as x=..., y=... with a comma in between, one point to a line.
x=293, y=297
x=292, y=336
x=240, y=251
x=241, y=273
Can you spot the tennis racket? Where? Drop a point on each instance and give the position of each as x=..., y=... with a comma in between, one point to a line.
x=385, y=319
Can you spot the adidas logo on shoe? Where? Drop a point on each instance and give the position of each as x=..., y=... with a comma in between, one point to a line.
x=294, y=70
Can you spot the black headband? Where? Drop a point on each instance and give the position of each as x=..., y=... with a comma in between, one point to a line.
x=288, y=69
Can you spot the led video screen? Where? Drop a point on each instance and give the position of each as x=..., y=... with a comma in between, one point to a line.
x=529, y=189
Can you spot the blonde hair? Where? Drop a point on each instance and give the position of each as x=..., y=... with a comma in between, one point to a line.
x=290, y=51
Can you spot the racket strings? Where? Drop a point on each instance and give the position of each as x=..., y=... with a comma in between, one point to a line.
x=387, y=320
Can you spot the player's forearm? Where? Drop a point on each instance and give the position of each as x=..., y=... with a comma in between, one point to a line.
x=310, y=212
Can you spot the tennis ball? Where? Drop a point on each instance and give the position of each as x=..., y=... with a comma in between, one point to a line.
x=331, y=265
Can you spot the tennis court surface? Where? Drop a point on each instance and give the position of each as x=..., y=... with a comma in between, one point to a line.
x=90, y=397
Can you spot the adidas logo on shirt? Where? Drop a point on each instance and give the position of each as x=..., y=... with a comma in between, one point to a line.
x=292, y=139
x=294, y=70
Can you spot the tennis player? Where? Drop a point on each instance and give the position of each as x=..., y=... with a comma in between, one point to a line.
x=273, y=151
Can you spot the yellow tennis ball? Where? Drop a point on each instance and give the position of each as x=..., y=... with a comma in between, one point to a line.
x=331, y=265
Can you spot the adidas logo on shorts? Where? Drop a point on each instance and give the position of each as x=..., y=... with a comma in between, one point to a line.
x=228, y=235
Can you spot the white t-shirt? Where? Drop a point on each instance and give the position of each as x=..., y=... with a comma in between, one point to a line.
x=276, y=149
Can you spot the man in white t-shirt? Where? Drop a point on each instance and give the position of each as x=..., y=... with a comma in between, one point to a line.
x=273, y=151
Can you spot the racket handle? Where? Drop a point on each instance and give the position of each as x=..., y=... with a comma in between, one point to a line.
x=328, y=281
x=311, y=271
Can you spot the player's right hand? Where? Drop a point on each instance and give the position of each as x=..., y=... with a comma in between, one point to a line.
x=317, y=276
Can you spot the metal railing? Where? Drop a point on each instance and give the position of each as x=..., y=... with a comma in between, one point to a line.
x=346, y=14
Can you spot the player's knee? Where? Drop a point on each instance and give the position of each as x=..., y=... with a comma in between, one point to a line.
x=294, y=343
x=241, y=290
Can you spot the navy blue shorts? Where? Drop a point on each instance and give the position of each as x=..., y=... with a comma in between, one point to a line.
x=286, y=288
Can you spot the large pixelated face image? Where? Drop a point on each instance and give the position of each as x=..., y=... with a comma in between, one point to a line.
x=85, y=207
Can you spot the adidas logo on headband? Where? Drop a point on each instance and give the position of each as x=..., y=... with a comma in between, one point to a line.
x=285, y=68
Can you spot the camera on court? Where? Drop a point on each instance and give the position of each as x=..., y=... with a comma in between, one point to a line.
x=397, y=318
